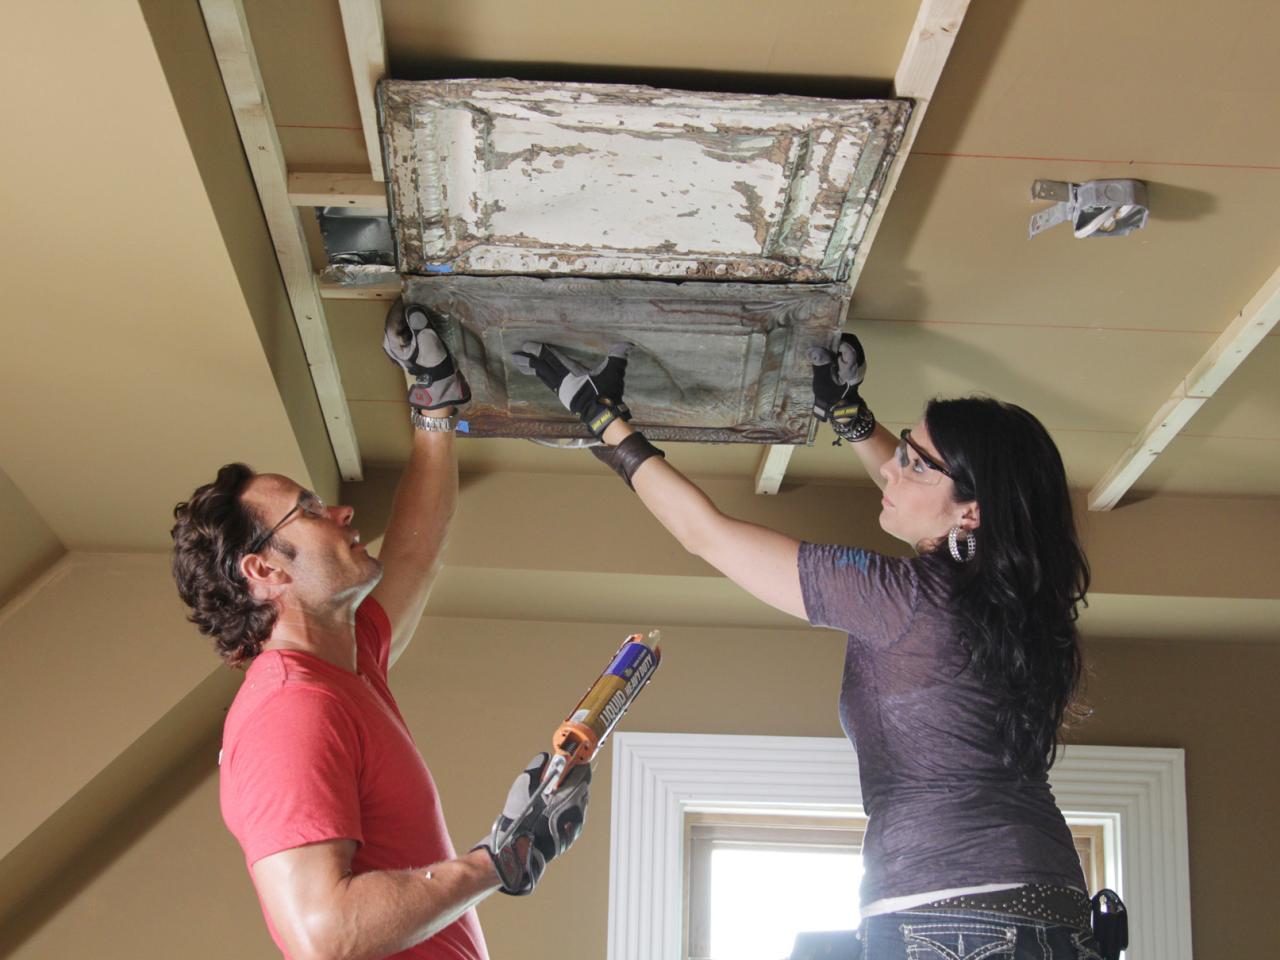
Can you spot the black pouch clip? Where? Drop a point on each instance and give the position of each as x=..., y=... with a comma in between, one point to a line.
x=1110, y=921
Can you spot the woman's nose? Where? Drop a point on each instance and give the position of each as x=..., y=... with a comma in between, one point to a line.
x=344, y=515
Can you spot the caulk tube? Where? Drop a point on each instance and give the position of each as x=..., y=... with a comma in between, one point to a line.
x=580, y=736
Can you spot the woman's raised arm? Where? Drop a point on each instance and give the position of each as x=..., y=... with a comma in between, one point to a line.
x=761, y=561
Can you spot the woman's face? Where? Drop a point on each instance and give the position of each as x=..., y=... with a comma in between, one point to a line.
x=918, y=505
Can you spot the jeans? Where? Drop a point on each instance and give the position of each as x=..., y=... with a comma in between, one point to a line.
x=958, y=934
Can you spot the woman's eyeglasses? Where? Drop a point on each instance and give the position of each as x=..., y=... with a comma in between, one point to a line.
x=916, y=470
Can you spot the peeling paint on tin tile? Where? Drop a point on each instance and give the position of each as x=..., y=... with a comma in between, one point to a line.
x=511, y=177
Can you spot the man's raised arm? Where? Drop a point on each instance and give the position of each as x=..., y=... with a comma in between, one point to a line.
x=427, y=494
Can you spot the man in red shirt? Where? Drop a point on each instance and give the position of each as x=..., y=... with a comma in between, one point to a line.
x=321, y=782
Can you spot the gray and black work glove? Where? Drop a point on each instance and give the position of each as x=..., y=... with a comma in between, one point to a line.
x=595, y=395
x=411, y=342
x=540, y=834
x=836, y=378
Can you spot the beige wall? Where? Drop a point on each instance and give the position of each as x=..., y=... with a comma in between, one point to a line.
x=483, y=695
x=91, y=657
x=29, y=545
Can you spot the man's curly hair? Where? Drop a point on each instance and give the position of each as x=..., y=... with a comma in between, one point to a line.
x=212, y=532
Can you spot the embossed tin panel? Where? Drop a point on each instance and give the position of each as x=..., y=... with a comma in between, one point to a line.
x=514, y=177
x=719, y=362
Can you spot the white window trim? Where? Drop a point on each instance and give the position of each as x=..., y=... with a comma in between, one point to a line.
x=1140, y=792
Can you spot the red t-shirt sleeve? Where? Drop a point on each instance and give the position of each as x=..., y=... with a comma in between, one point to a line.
x=295, y=779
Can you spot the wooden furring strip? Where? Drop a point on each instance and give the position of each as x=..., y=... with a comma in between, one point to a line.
x=367, y=51
x=1242, y=336
x=352, y=190
x=923, y=59
x=229, y=32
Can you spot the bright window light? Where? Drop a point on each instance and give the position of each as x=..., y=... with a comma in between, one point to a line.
x=760, y=899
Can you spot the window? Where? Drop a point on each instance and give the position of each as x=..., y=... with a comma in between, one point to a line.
x=740, y=865
x=674, y=792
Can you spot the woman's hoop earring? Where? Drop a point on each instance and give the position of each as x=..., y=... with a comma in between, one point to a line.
x=971, y=541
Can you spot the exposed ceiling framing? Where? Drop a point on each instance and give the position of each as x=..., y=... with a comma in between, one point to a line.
x=928, y=45
x=229, y=33
x=1241, y=337
x=337, y=190
x=358, y=192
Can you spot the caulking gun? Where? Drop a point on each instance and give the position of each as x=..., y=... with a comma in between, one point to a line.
x=579, y=738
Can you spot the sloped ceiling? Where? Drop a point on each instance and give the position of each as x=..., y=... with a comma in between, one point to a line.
x=141, y=341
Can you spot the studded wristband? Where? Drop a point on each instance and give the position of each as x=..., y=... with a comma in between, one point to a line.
x=858, y=427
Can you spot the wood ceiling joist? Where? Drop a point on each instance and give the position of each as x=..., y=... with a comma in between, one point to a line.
x=229, y=32
x=773, y=465
x=382, y=290
x=928, y=45
x=1243, y=334
x=352, y=190
x=367, y=51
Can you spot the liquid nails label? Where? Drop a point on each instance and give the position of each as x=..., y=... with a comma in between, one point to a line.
x=609, y=698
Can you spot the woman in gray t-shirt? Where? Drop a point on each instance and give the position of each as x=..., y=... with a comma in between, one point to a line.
x=962, y=661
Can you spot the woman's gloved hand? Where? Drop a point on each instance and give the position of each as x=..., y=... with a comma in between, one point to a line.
x=836, y=378
x=595, y=395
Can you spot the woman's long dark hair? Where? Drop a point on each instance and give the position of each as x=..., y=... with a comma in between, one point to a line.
x=1019, y=598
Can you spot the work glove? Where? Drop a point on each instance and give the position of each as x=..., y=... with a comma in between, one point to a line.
x=410, y=341
x=595, y=395
x=836, y=378
x=541, y=832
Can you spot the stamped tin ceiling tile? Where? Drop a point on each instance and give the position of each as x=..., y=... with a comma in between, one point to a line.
x=718, y=362
x=514, y=177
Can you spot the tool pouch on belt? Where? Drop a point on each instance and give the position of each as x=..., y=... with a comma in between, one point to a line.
x=1110, y=921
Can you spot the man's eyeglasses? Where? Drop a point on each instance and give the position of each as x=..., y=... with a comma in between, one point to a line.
x=916, y=470
x=308, y=503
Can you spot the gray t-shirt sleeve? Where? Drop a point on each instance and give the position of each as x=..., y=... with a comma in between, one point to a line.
x=869, y=596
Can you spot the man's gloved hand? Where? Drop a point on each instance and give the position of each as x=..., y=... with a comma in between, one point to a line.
x=410, y=341
x=836, y=378
x=595, y=395
x=544, y=835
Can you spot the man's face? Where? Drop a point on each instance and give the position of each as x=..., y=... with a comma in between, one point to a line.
x=328, y=561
